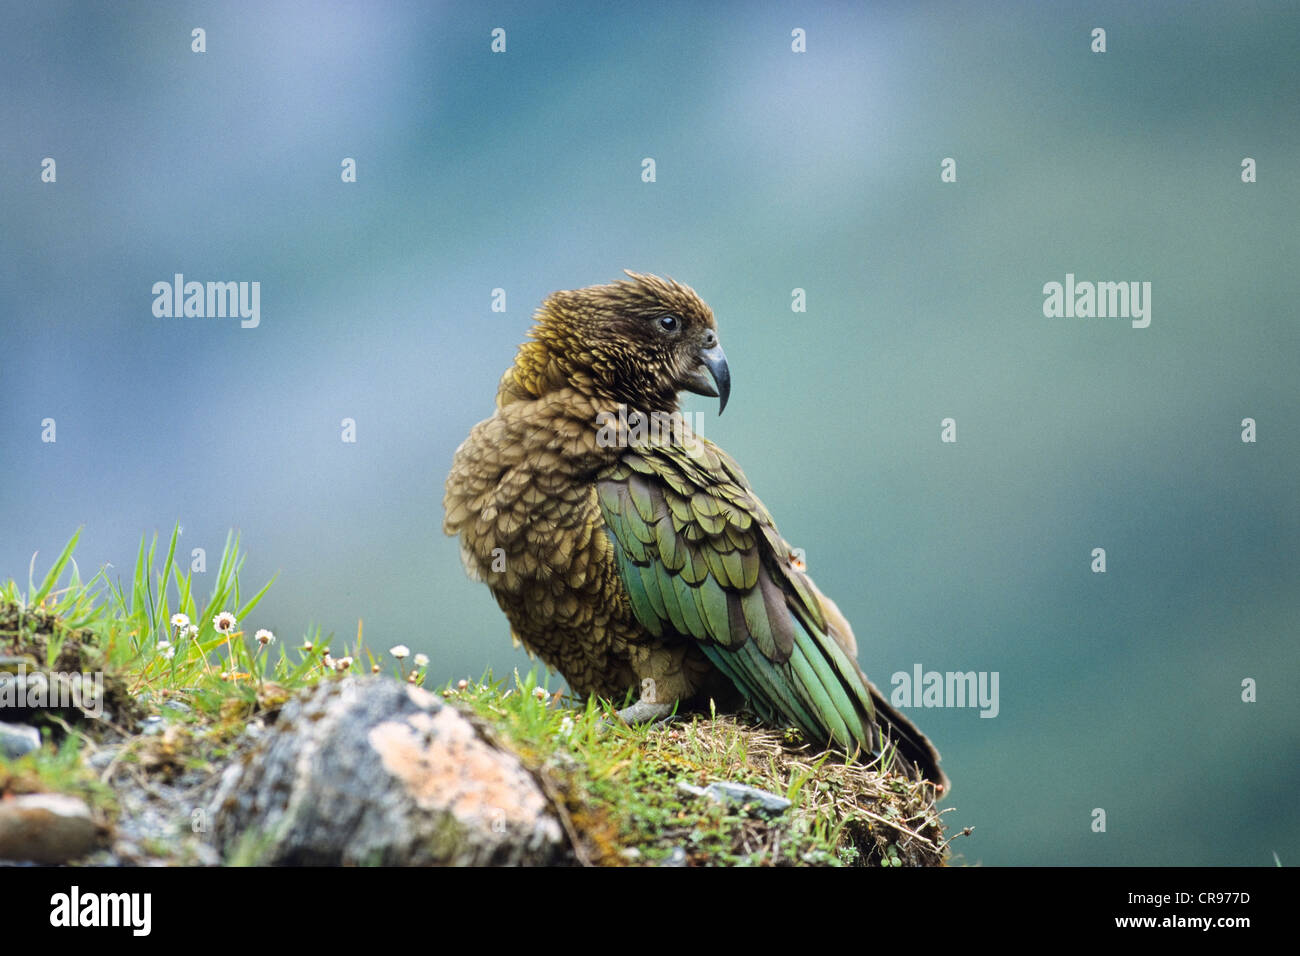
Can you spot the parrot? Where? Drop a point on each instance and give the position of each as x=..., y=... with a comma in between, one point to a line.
x=630, y=553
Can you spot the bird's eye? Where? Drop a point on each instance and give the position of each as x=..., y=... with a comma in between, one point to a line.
x=669, y=323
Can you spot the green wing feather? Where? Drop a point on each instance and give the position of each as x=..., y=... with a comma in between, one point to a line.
x=701, y=558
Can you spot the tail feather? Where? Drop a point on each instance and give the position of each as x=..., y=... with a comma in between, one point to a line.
x=912, y=745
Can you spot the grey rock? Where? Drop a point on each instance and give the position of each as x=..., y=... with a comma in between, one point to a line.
x=152, y=725
x=369, y=771
x=740, y=793
x=18, y=739
x=128, y=853
x=676, y=858
x=101, y=758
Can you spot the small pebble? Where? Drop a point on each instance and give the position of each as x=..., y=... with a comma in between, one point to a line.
x=739, y=793
x=675, y=858
x=18, y=739
x=45, y=828
x=152, y=725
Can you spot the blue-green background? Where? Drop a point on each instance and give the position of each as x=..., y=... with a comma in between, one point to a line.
x=776, y=170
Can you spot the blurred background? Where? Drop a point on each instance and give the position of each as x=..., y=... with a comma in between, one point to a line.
x=775, y=171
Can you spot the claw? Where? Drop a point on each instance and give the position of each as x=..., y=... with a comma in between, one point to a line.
x=644, y=711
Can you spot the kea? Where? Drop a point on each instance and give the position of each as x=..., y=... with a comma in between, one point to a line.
x=629, y=553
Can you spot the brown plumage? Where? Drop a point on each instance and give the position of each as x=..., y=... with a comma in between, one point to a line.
x=633, y=557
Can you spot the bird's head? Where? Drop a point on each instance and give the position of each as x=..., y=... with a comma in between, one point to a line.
x=638, y=341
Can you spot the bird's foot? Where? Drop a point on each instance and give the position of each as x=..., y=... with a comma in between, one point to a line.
x=644, y=712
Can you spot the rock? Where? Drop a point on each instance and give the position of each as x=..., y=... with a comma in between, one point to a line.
x=740, y=793
x=18, y=739
x=151, y=725
x=102, y=757
x=374, y=772
x=46, y=828
x=676, y=858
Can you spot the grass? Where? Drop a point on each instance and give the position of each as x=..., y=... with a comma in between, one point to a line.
x=204, y=682
x=154, y=634
x=618, y=789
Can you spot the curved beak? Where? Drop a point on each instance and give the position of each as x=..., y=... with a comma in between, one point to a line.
x=714, y=362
